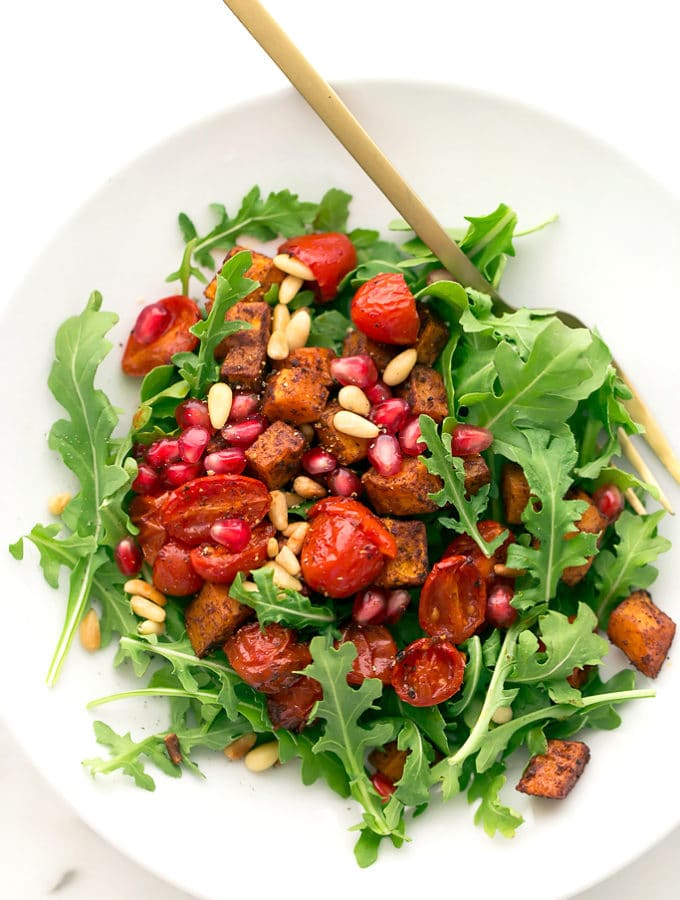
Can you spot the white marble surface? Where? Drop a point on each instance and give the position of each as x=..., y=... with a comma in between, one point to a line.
x=88, y=85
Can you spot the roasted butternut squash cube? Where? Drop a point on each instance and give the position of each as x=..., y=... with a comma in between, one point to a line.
x=477, y=473
x=262, y=270
x=425, y=393
x=403, y=494
x=591, y=522
x=515, y=492
x=276, y=455
x=410, y=566
x=357, y=343
x=212, y=617
x=432, y=337
x=345, y=448
x=389, y=761
x=244, y=354
x=295, y=396
x=555, y=773
x=644, y=633
x=315, y=359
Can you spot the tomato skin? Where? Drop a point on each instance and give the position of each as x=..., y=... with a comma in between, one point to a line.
x=338, y=559
x=193, y=508
x=290, y=708
x=144, y=513
x=139, y=359
x=428, y=671
x=214, y=563
x=173, y=573
x=268, y=659
x=464, y=545
x=362, y=517
x=330, y=256
x=384, y=309
x=453, y=599
x=376, y=652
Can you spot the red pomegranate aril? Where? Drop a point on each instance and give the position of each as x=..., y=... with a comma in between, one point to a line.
x=180, y=472
x=383, y=785
x=162, y=452
x=609, y=500
x=378, y=392
x=147, y=481
x=234, y=534
x=243, y=406
x=128, y=557
x=384, y=454
x=390, y=414
x=499, y=611
x=357, y=370
x=410, y=438
x=151, y=323
x=370, y=607
x=230, y=461
x=138, y=452
x=193, y=412
x=466, y=440
x=244, y=434
x=192, y=443
x=343, y=482
x=397, y=604
x=318, y=462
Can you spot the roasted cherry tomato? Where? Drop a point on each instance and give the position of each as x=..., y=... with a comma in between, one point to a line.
x=269, y=659
x=290, y=708
x=376, y=652
x=172, y=571
x=464, y=545
x=453, y=599
x=345, y=548
x=329, y=255
x=216, y=564
x=144, y=513
x=384, y=309
x=428, y=671
x=161, y=330
x=193, y=508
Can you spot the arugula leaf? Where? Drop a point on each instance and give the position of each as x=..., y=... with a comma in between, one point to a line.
x=159, y=395
x=274, y=604
x=329, y=329
x=491, y=814
x=519, y=328
x=488, y=241
x=413, y=788
x=55, y=552
x=314, y=765
x=333, y=211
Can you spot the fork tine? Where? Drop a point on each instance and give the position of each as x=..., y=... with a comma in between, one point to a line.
x=632, y=455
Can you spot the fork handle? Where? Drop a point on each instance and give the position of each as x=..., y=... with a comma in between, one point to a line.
x=653, y=433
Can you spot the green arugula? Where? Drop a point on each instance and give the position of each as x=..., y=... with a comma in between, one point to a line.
x=275, y=604
x=491, y=814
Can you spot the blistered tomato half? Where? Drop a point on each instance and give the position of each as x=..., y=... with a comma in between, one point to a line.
x=330, y=255
x=384, y=309
x=453, y=599
x=161, y=330
x=428, y=671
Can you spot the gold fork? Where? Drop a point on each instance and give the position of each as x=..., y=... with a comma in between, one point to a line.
x=342, y=123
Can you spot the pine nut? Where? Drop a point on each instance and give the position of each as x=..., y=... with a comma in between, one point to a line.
x=297, y=330
x=297, y=538
x=149, y=627
x=146, y=609
x=355, y=426
x=278, y=511
x=272, y=547
x=308, y=489
x=282, y=578
x=293, y=499
x=290, y=529
x=292, y=266
x=399, y=368
x=506, y=572
x=288, y=561
x=144, y=589
x=307, y=431
x=277, y=348
x=220, y=397
x=90, y=632
x=238, y=748
x=502, y=716
x=280, y=317
x=289, y=288
x=57, y=503
x=263, y=757
x=353, y=398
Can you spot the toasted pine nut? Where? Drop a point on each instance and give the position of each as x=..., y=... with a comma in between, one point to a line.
x=308, y=489
x=278, y=511
x=144, y=589
x=293, y=499
x=220, y=396
x=147, y=609
x=355, y=426
x=297, y=538
x=289, y=288
x=277, y=348
x=502, y=715
x=282, y=578
x=280, y=317
x=272, y=547
x=250, y=587
x=399, y=368
x=353, y=398
x=238, y=748
x=90, y=632
x=263, y=757
x=149, y=627
x=288, y=561
x=506, y=572
x=57, y=503
x=290, y=529
x=297, y=330
x=293, y=266
x=307, y=431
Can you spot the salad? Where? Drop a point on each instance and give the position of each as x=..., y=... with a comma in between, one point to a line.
x=358, y=519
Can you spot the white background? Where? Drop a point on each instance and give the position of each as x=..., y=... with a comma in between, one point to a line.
x=86, y=86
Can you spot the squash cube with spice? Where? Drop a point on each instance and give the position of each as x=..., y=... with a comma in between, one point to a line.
x=295, y=396
x=553, y=774
x=410, y=566
x=432, y=337
x=345, y=448
x=262, y=270
x=644, y=633
x=425, y=393
x=212, y=617
x=314, y=359
x=276, y=455
x=244, y=353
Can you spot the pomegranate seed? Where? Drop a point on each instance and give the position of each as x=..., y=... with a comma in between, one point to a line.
x=180, y=472
x=318, y=462
x=390, y=414
x=231, y=461
x=384, y=454
x=378, y=392
x=147, y=480
x=192, y=443
x=243, y=406
x=344, y=482
x=359, y=370
x=162, y=452
x=243, y=434
x=370, y=607
x=609, y=500
x=499, y=612
x=397, y=604
x=409, y=438
x=152, y=321
x=467, y=440
x=383, y=785
x=234, y=534
x=192, y=412
x=138, y=452
x=128, y=557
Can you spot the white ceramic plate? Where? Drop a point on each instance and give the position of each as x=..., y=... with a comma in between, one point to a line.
x=611, y=259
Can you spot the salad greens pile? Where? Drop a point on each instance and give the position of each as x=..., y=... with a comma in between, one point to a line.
x=552, y=399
